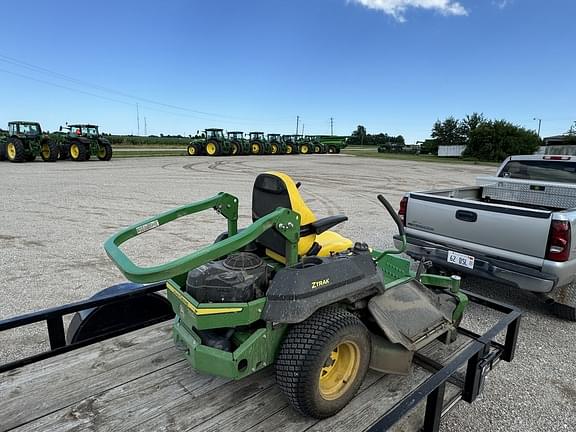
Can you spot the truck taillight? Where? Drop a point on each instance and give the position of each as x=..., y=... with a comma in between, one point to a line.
x=402, y=209
x=559, y=241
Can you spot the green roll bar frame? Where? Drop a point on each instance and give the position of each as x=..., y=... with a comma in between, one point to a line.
x=283, y=220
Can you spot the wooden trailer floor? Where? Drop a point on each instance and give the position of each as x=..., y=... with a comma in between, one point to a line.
x=139, y=381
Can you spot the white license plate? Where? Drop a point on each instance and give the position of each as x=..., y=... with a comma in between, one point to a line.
x=460, y=259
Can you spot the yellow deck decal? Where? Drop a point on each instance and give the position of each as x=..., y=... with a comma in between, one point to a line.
x=199, y=311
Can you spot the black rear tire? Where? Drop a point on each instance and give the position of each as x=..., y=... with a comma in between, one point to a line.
x=565, y=312
x=313, y=368
x=193, y=150
x=64, y=152
x=49, y=151
x=2, y=151
x=105, y=152
x=78, y=152
x=15, y=151
x=331, y=149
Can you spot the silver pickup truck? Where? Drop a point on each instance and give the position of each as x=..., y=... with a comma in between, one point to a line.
x=514, y=228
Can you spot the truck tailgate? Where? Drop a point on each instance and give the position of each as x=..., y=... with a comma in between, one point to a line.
x=515, y=229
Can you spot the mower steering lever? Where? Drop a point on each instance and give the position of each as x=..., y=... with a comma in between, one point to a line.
x=399, y=224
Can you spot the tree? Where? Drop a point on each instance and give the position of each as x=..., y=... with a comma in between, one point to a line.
x=449, y=132
x=471, y=122
x=358, y=137
x=496, y=140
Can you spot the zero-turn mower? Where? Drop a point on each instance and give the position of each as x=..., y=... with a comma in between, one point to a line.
x=286, y=291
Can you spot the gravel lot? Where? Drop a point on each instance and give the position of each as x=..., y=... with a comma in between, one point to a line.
x=55, y=218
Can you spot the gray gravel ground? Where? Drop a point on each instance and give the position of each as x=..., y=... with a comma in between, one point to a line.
x=55, y=217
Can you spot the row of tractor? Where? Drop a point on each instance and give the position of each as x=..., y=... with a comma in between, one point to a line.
x=213, y=142
x=25, y=141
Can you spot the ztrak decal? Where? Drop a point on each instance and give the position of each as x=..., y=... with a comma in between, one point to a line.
x=320, y=283
x=147, y=227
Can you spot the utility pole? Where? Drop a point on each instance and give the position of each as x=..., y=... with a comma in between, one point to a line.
x=138, y=118
x=331, y=126
x=145, y=127
x=539, y=124
x=302, y=129
x=297, y=121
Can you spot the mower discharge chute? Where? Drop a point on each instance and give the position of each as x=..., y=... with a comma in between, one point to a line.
x=288, y=291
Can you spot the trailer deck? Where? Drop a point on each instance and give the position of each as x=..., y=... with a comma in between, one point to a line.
x=140, y=381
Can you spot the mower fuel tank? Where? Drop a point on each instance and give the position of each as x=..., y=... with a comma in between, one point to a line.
x=241, y=277
x=297, y=292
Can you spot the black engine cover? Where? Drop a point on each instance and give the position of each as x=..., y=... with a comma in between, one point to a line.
x=297, y=292
x=241, y=277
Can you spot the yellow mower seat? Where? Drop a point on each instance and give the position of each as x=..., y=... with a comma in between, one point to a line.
x=275, y=189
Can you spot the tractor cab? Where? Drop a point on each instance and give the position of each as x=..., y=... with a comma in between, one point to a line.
x=236, y=135
x=217, y=134
x=27, y=129
x=86, y=130
x=256, y=136
x=274, y=137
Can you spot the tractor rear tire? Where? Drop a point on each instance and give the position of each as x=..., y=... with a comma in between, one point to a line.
x=304, y=149
x=49, y=151
x=193, y=150
x=234, y=149
x=64, y=152
x=323, y=361
x=15, y=151
x=2, y=151
x=289, y=149
x=317, y=149
x=274, y=149
x=331, y=149
x=212, y=148
x=105, y=152
x=30, y=157
x=256, y=148
x=78, y=152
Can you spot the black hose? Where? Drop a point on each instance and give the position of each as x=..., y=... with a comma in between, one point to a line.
x=393, y=213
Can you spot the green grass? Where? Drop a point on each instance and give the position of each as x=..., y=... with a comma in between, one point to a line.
x=372, y=153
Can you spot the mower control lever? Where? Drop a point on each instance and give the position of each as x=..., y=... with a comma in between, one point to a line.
x=393, y=213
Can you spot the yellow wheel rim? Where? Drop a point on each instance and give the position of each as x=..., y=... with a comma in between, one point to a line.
x=45, y=151
x=274, y=149
x=255, y=148
x=191, y=150
x=11, y=150
x=304, y=149
x=234, y=149
x=288, y=149
x=74, y=151
x=339, y=371
x=102, y=152
x=211, y=149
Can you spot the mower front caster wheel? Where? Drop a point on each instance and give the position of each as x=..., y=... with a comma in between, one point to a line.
x=323, y=361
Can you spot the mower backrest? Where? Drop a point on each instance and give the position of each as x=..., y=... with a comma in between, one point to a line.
x=272, y=190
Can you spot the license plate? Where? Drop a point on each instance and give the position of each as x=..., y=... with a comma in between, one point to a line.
x=460, y=259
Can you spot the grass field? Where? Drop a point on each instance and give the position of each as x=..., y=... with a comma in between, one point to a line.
x=373, y=153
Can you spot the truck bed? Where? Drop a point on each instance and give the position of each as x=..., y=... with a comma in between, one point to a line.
x=140, y=381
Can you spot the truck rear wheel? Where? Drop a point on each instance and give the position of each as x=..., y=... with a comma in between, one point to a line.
x=15, y=150
x=49, y=151
x=565, y=312
x=323, y=361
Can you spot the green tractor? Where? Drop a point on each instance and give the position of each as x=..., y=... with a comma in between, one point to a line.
x=290, y=141
x=258, y=143
x=277, y=145
x=212, y=143
x=318, y=146
x=81, y=141
x=238, y=143
x=26, y=141
x=303, y=144
x=288, y=292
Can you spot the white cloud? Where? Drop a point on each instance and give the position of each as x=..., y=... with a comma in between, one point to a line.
x=501, y=4
x=397, y=8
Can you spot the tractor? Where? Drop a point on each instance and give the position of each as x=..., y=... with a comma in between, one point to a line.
x=317, y=145
x=212, y=143
x=81, y=141
x=258, y=144
x=26, y=141
x=277, y=146
x=238, y=143
x=288, y=292
x=298, y=143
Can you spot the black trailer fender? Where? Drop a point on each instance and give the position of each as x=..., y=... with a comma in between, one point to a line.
x=128, y=313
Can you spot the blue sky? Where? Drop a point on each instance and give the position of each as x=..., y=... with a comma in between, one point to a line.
x=392, y=65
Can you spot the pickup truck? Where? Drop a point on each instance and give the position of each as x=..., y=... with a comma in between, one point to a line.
x=514, y=228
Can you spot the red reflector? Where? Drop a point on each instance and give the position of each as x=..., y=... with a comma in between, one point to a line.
x=559, y=241
x=556, y=157
x=402, y=209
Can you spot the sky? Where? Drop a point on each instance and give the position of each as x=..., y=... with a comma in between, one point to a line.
x=394, y=66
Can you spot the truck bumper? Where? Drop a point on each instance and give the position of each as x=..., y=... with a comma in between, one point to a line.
x=519, y=276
